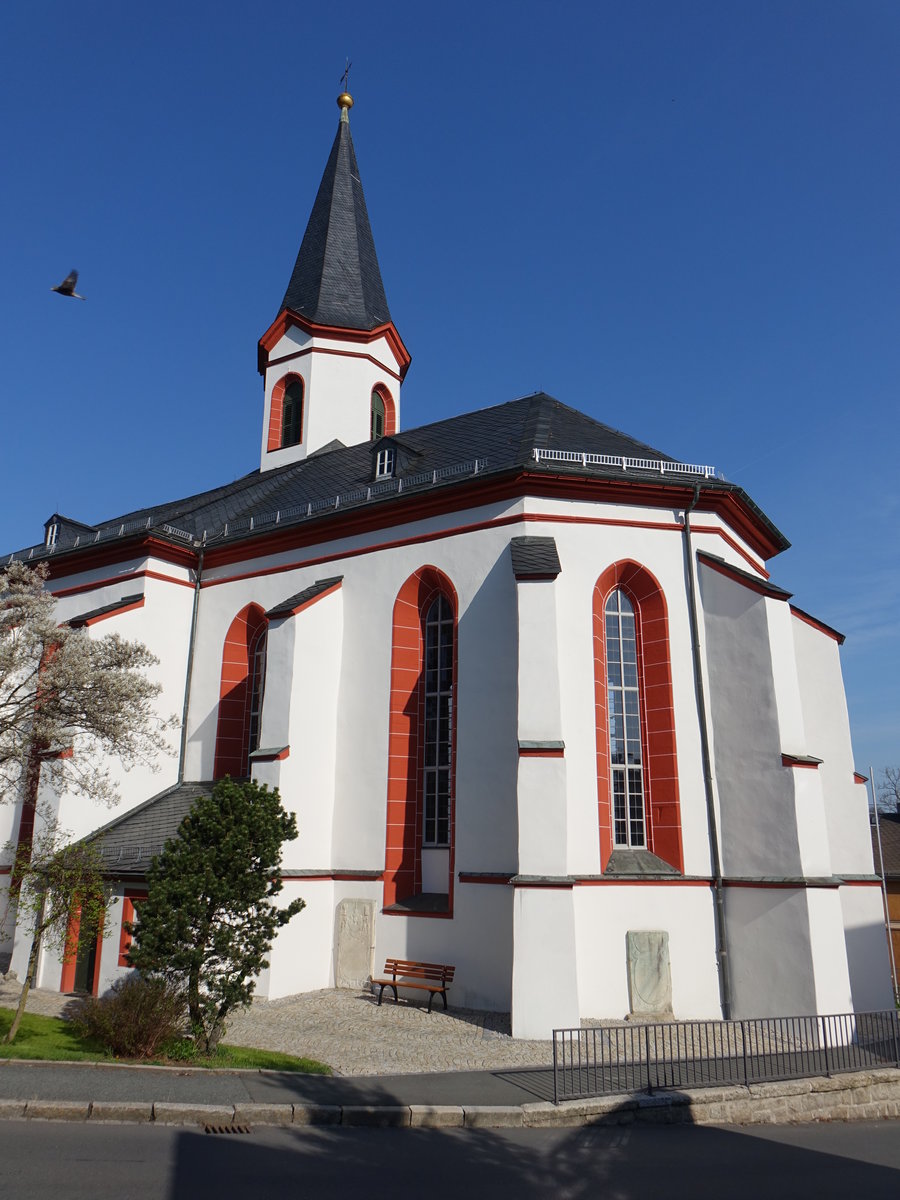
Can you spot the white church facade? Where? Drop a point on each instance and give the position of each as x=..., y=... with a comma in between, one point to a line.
x=526, y=683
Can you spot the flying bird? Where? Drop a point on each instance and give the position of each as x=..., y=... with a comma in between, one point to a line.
x=67, y=287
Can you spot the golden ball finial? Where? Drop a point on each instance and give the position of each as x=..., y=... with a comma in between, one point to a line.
x=345, y=100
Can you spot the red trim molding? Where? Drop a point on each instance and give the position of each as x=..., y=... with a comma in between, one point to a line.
x=286, y=319
x=762, y=587
x=233, y=723
x=857, y=778
x=805, y=617
x=59, y=593
x=309, y=350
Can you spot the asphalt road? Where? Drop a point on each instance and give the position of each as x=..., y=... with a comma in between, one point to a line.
x=123, y=1162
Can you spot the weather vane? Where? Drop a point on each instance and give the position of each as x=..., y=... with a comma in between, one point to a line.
x=345, y=78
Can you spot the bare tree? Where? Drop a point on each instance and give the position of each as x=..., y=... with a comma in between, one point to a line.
x=69, y=702
x=887, y=790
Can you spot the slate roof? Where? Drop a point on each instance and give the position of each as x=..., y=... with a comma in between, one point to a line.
x=890, y=844
x=534, y=557
x=128, y=843
x=114, y=606
x=501, y=438
x=336, y=279
x=286, y=607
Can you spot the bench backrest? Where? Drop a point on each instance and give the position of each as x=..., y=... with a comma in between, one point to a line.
x=433, y=972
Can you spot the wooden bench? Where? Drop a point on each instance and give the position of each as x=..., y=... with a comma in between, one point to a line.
x=429, y=977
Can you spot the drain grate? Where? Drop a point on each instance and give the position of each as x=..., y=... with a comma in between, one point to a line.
x=226, y=1129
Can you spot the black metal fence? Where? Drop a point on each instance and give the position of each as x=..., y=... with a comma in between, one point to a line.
x=606, y=1060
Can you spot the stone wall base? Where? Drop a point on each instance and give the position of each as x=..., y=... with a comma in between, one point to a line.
x=865, y=1096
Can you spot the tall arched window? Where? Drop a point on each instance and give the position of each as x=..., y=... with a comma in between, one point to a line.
x=637, y=767
x=292, y=413
x=419, y=843
x=438, y=704
x=241, y=693
x=624, y=713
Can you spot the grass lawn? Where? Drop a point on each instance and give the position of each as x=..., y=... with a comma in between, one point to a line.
x=53, y=1039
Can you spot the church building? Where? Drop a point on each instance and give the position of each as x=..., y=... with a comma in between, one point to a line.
x=526, y=682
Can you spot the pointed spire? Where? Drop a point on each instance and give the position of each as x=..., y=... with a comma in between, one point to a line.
x=336, y=278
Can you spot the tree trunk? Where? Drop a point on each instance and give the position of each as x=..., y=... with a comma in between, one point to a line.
x=30, y=975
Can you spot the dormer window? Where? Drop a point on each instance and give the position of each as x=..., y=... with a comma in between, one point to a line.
x=51, y=535
x=376, y=428
x=384, y=463
x=292, y=414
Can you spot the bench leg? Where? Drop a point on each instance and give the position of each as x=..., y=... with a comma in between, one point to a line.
x=381, y=994
x=444, y=998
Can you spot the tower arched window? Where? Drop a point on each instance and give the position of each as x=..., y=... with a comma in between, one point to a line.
x=383, y=413
x=419, y=842
x=241, y=693
x=637, y=769
x=292, y=413
x=376, y=429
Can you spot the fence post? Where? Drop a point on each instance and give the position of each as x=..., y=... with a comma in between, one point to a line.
x=555, y=1087
x=823, y=1023
x=744, y=1050
x=647, y=1051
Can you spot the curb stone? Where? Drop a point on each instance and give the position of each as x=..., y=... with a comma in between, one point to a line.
x=436, y=1116
x=864, y=1096
x=381, y=1116
x=121, y=1110
x=172, y=1113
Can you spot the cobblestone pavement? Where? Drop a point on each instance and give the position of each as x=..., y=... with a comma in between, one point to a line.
x=346, y=1029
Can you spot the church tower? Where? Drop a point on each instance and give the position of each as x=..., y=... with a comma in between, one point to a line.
x=332, y=361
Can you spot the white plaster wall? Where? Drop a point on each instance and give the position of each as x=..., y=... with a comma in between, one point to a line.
x=300, y=960
x=829, y=954
x=605, y=914
x=868, y=958
x=543, y=844
x=545, y=982
x=539, y=655
x=301, y=711
x=770, y=953
x=827, y=726
x=758, y=827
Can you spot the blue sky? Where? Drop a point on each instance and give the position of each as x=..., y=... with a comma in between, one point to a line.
x=680, y=217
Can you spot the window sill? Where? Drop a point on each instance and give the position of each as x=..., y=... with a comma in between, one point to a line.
x=425, y=904
x=631, y=862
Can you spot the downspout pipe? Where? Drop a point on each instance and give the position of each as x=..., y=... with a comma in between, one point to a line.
x=190, y=664
x=700, y=692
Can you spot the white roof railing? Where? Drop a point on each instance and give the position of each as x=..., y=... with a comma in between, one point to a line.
x=662, y=466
